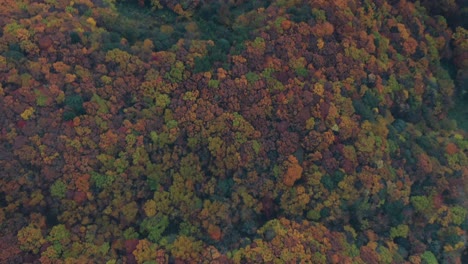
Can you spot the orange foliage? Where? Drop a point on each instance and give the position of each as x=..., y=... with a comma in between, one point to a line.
x=293, y=172
x=214, y=232
x=82, y=183
x=108, y=140
x=221, y=73
x=370, y=179
x=409, y=46
x=286, y=24
x=324, y=29
x=451, y=149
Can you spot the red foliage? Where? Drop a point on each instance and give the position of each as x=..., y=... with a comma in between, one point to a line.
x=425, y=163
x=214, y=232
x=79, y=197
x=21, y=124
x=130, y=246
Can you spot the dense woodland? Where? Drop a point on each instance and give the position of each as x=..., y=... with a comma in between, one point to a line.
x=211, y=131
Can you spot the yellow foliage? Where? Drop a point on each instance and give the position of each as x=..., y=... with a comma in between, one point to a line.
x=181, y=12
x=130, y=211
x=415, y=259
x=150, y=208
x=148, y=45
x=458, y=246
x=106, y=79
x=166, y=29
x=191, y=27
x=295, y=201
x=61, y=67
x=30, y=238
x=69, y=78
x=91, y=21
x=310, y=123
x=155, y=5
x=320, y=43
x=403, y=31
x=297, y=63
x=163, y=202
x=48, y=255
x=144, y=251
x=185, y=248
x=27, y=113
x=36, y=198
x=3, y=63
x=319, y=89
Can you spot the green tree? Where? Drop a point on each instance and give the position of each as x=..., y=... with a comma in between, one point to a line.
x=154, y=227
x=58, y=189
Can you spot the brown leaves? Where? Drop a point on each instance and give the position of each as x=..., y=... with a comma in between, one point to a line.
x=10, y=249
x=45, y=42
x=369, y=255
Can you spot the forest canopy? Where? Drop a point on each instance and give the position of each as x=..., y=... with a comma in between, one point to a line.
x=232, y=131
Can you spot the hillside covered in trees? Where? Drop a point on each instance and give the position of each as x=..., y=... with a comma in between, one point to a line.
x=233, y=131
